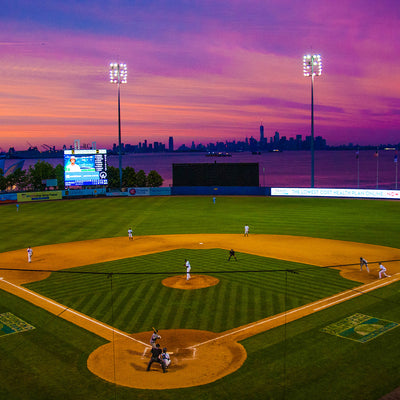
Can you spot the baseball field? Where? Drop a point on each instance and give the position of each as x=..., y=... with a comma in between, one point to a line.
x=293, y=317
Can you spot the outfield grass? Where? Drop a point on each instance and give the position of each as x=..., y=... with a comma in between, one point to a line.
x=366, y=221
x=292, y=362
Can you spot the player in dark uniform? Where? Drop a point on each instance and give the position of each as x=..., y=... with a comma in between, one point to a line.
x=155, y=357
x=232, y=254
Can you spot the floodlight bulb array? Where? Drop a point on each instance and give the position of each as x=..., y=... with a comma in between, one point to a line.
x=312, y=65
x=118, y=73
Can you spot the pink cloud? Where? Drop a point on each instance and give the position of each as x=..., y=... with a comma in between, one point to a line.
x=202, y=68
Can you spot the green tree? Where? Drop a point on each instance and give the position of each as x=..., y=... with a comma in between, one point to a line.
x=40, y=171
x=128, y=177
x=3, y=181
x=154, y=179
x=113, y=177
x=59, y=173
x=18, y=180
x=141, y=179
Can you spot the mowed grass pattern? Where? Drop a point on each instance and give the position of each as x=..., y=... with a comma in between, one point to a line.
x=128, y=294
x=37, y=224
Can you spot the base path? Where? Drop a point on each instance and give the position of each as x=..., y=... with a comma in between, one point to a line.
x=198, y=357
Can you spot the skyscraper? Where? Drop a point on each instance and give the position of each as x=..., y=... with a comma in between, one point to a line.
x=171, y=144
x=276, y=138
x=261, y=133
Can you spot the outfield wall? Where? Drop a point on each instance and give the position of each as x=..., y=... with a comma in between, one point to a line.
x=221, y=190
x=84, y=192
x=337, y=192
x=8, y=198
x=202, y=191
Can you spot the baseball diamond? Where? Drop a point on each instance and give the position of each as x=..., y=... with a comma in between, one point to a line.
x=281, y=322
x=200, y=357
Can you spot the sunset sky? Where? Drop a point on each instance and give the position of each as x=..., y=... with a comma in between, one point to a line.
x=198, y=70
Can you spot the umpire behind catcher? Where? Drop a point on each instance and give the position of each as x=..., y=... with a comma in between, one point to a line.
x=155, y=357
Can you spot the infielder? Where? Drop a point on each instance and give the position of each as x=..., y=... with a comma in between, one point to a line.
x=232, y=254
x=246, y=230
x=188, y=268
x=30, y=252
x=382, y=271
x=363, y=262
x=130, y=234
x=154, y=337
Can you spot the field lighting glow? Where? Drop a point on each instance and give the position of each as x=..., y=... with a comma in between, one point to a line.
x=118, y=73
x=312, y=65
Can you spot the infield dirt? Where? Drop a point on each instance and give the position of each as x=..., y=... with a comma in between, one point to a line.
x=198, y=357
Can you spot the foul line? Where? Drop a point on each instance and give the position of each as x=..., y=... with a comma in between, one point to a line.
x=69, y=310
x=344, y=296
x=348, y=294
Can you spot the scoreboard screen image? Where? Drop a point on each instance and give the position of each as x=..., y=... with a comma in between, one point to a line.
x=85, y=167
x=215, y=174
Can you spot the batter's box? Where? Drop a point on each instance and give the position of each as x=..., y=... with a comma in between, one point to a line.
x=360, y=328
x=180, y=353
x=9, y=324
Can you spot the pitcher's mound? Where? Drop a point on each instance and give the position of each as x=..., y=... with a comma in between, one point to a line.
x=195, y=282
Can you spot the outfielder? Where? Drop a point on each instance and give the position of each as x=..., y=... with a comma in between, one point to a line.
x=30, y=252
x=363, y=262
x=130, y=234
x=246, y=230
x=154, y=337
x=188, y=268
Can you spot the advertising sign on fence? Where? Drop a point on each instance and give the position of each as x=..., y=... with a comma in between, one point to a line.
x=39, y=196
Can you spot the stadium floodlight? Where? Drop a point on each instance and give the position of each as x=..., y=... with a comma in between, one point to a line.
x=312, y=67
x=118, y=75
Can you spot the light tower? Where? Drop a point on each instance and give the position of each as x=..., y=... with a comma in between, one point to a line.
x=312, y=67
x=118, y=75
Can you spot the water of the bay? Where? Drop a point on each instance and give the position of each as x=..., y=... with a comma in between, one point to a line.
x=336, y=168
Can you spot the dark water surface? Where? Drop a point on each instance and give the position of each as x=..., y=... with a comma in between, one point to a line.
x=287, y=169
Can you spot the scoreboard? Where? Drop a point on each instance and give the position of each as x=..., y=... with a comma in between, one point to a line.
x=85, y=167
x=215, y=174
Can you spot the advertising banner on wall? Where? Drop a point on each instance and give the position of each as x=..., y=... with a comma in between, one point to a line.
x=39, y=196
x=335, y=192
x=149, y=191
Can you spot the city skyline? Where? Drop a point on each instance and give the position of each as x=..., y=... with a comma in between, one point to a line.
x=263, y=143
x=210, y=71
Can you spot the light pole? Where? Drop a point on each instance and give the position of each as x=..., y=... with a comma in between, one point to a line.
x=312, y=66
x=118, y=75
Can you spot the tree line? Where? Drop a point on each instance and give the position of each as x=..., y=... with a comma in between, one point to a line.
x=33, y=178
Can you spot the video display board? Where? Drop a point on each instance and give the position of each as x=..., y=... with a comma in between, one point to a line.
x=215, y=174
x=85, y=167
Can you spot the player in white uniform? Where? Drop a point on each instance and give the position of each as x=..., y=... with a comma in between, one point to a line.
x=382, y=271
x=188, y=268
x=130, y=234
x=246, y=230
x=363, y=262
x=30, y=252
x=165, y=359
x=73, y=167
